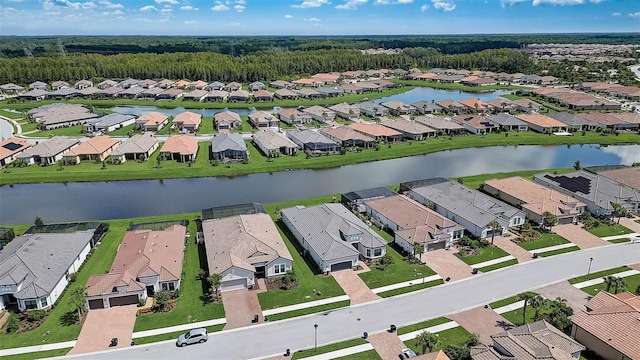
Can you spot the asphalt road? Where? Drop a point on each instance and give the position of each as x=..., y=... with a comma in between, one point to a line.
x=273, y=338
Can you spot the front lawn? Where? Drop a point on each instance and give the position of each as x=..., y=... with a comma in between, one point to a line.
x=599, y=274
x=498, y=265
x=172, y=335
x=407, y=289
x=515, y=316
x=301, y=354
x=559, y=251
x=610, y=230
x=38, y=355
x=73, y=131
x=487, y=253
x=422, y=325
x=366, y=355
x=632, y=283
x=311, y=310
x=457, y=335
x=545, y=240
x=11, y=115
x=509, y=300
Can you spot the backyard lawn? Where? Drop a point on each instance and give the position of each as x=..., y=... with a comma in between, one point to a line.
x=610, y=230
x=124, y=131
x=487, y=253
x=206, y=126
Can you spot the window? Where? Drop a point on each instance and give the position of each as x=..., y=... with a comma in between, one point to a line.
x=168, y=286
x=43, y=301
x=368, y=252
x=377, y=252
x=279, y=269
x=30, y=304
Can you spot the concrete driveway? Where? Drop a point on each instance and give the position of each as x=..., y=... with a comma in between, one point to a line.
x=512, y=248
x=387, y=344
x=575, y=297
x=240, y=306
x=354, y=287
x=482, y=321
x=631, y=224
x=579, y=236
x=101, y=325
x=447, y=264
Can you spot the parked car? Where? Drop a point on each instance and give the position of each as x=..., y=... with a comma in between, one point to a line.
x=193, y=336
x=407, y=354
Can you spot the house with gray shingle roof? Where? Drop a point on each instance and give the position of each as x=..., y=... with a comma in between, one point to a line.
x=34, y=268
x=333, y=236
x=272, y=143
x=225, y=120
x=309, y=140
x=109, y=122
x=508, y=122
x=228, y=146
x=138, y=147
x=38, y=85
x=48, y=152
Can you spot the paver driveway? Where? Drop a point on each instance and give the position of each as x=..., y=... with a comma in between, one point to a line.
x=354, y=287
x=631, y=224
x=482, y=321
x=579, y=236
x=240, y=306
x=512, y=248
x=575, y=297
x=101, y=325
x=447, y=264
x=386, y=344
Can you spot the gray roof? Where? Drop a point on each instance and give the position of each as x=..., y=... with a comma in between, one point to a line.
x=50, y=147
x=272, y=140
x=476, y=207
x=136, y=144
x=573, y=119
x=309, y=136
x=330, y=90
x=370, y=105
x=503, y=119
x=63, y=92
x=228, y=141
x=41, y=260
x=111, y=119
x=423, y=104
x=321, y=226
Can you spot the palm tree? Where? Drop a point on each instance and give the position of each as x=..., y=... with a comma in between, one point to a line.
x=418, y=249
x=494, y=226
x=77, y=299
x=215, y=280
x=609, y=281
x=526, y=297
x=537, y=302
x=503, y=104
x=427, y=340
x=549, y=220
x=619, y=285
x=618, y=211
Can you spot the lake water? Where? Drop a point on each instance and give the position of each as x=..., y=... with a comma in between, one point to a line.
x=141, y=110
x=428, y=94
x=123, y=199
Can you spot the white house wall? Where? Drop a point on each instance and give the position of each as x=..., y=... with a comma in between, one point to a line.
x=270, y=268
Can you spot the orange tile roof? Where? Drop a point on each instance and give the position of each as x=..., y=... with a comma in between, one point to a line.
x=95, y=145
x=182, y=144
x=16, y=144
x=152, y=118
x=409, y=214
x=374, y=130
x=541, y=120
x=188, y=118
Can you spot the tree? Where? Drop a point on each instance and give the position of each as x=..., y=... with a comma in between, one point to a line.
x=537, y=302
x=38, y=221
x=457, y=352
x=526, y=297
x=618, y=211
x=418, y=249
x=619, y=285
x=549, y=220
x=494, y=226
x=215, y=281
x=161, y=298
x=427, y=340
x=576, y=165
x=609, y=281
x=77, y=297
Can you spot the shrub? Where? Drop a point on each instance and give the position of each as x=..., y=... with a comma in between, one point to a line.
x=73, y=277
x=35, y=315
x=12, y=324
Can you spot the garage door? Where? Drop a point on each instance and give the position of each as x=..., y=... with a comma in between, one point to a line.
x=567, y=220
x=341, y=266
x=123, y=300
x=96, y=304
x=235, y=284
x=436, y=246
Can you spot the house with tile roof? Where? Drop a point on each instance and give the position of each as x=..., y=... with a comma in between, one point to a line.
x=377, y=131
x=153, y=121
x=443, y=125
x=35, y=267
x=138, y=148
x=95, y=149
x=309, y=140
x=228, y=146
x=609, y=325
x=477, y=125
x=187, y=121
x=410, y=130
x=320, y=113
x=542, y=123
x=333, y=236
x=629, y=176
x=146, y=261
x=243, y=248
x=195, y=95
x=216, y=95
x=286, y=94
x=412, y=223
x=239, y=95
x=225, y=120
x=397, y=108
x=48, y=152
x=262, y=96
x=181, y=148
x=577, y=121
x=109, y=123
x=347, y=137
x=273, y=143
x=293, y=116
x=10, y=148
x=346, y=111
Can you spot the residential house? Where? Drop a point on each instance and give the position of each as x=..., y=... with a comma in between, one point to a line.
x=333, y=236
x=181, y=84
x=273, y=143
x=33, y=95
x=95, y=149
x=108, y=93
x=257, y=85
x=138, y=148
x=347, y=137
x=286, y=94
x=30, y=278
x=83, y=84
x=226, y=120
x=106, y=84
x=216, y=85
x=535, y=199
x=351, y=89
x=263, y=120
x=182, y=148
x=368, y=86
x=345, y=111
x=451, y=106
x=238, y=95
x=216, y=95
x=397, y=108
x=109, y=123
x=232, y=86
x=501, y=105
x=198, y=85
x=309, y=140
x=243, y=248
x=195, y=95
x=187, y=122
x=371, y=109
x=153, y=121
x=310, y=94
x=10, y=148
x=170, y=94
x=281, y=84
x=64, y=93
x=542, y=123
x=38, y=85
x=470, y=208
x=508, y=122
x=125, y=84
x=166, y=83
x=57, y=85
x=478, y=81
x=609, y=325
x=320, y=114
x=228, y=146
x=293, y=116
x=53, y=116
x=598, y=192
x=307, y=83
x=48, y=152
x=11, y=89
x=88, y=92
x=526, y=105
x=475, y=106
x=610, y=121
x=426, y=107
x=442, y=125
x=538, y=340
x=147, y=83
x=146, y=261
x=475, y=124
x=355, y=200
x=577, y=122
x=409, y=129
x=130, y=92
x=413, y=223
x=262, y=96
x=330, y=91
x=629, y=176
x=377, y=131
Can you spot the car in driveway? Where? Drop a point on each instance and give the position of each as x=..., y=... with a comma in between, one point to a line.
x=193, y=336
x=407, y=354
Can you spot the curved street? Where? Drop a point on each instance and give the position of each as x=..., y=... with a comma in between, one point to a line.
x=271, y=339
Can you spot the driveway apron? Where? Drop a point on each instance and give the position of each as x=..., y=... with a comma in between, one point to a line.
x=101, y=325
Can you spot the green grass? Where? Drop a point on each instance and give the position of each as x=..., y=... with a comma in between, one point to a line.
x=171, y=336
x=301, y=354
x=498, y=265
x=206, y=126
x=123, y=131
x=457, y=335
x=456, y=86
x=619, y=241
x=38, y=355
x=512, y=96
x=11, y=115
x=422, y=325
x=311, y=310
x=545, y=240
x=632, y=282
x=29, y=126
x=515, y=316
x=74, y=131
x=507, y=301
x=599, y=274
x=475, y=181
x=610, y=230
x=559, y=251
x=408, y=289
x=167, y=130
x=258, y=163
x=487, y=253
x=366, y=355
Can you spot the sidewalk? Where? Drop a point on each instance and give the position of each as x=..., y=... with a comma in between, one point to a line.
x=510, y=307
x=177, y=328
x=342, y=352
x=305, y=305
x=493, y=262
x=599, y=280
x=552, y=248
x=36, y=348
x=625, y=236
x=406, y=284
x=434, y=329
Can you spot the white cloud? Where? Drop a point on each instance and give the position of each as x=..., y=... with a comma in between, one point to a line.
x=241, y=2
x=14, y=1
x=239, y=8
x=444, y=5
x=351, y=4
x=172, y=2
x=109, y=5
x=148, y=8
x=313, y=19
x=166, y=10
x=616, y=14
x=311, y=4
x=191, y=22
x=219, y=6
x=287, y=16
x=558, y=2
x=635, y=14
x=89, y=5
x=189, y=8
x=393, y=2
x=114, y=12
x=424, y=7
x=597, y=1
x=505, y=3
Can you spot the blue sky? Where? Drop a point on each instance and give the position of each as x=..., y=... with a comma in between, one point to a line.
x=315, y=17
